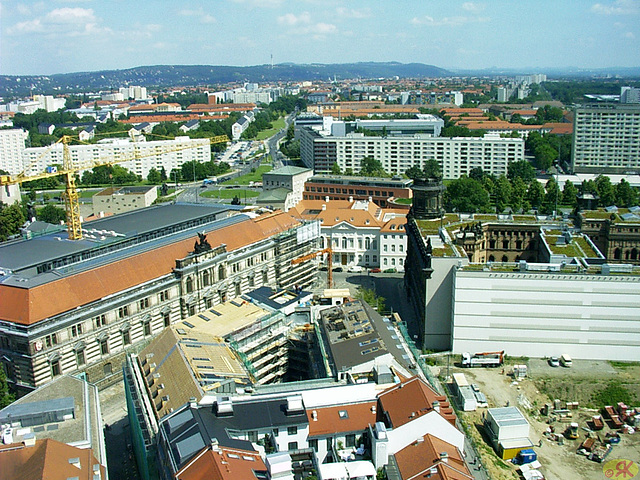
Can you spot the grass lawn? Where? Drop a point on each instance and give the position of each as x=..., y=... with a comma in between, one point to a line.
x=250, y=177
x=277, y=125
x=228, y=193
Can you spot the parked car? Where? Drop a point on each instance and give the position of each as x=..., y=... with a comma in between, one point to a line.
x=554, y=361
x=337, y=269
x=354, y=269
x=375, y=270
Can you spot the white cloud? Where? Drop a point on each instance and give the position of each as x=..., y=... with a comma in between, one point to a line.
x=199, y=13
x=325, y=29
x=447, y=21
x=629, y=35
x=292, y=20
x=353, y=13
x=23, y=9
x=473, y=7
x=69, y=22
x=618, y=7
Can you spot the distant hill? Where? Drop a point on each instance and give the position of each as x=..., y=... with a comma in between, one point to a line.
x=183, y=75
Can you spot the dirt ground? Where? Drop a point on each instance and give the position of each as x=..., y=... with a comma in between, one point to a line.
x=578, y=383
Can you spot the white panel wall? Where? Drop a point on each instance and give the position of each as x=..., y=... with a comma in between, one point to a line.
x=539, y=315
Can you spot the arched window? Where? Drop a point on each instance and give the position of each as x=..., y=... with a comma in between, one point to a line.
x=221, y=272
x=492, y=258
x=505, y=258
x=189, y=284
x=492, y=243
x=617, y=254
x=205, y=278
x=634, y=254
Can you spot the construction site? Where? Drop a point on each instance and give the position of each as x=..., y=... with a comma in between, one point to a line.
x=580, y=416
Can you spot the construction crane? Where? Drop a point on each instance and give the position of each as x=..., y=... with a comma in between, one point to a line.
x=69, y=172
x=313, y=255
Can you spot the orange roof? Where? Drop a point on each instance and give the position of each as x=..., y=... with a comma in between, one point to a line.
x=162, y=118
x=29, y=305
x=560, y=128
x=222, y=463
x=221, y=107
x=341, y=419
x=457, y=111
x=416, y=459
x=524, y=112
x=473, y=124
x=48, y=458
x=405, y=401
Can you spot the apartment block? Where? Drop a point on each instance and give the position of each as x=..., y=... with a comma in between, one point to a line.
x=457, y=156
x=606, y=138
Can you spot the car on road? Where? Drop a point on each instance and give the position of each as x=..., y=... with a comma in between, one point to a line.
x=337, y=269
x=354, y=269
x=375, y=270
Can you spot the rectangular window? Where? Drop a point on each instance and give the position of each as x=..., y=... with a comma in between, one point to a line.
x=143, y=303
x=76, y=330
x=126, y=337
x=80, y=360
x=147, y=328
x=313, y=443
x=350, y=440
x=292, y=446
x=292, y=430
x=329, y=443
x=104, y=346
x=164, y=295
x=51, y=340
x=55, y=368
x=100, y=321
x=123, y=312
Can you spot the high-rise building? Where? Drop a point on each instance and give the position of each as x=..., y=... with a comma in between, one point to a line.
x=606, y=138
x=12, y=144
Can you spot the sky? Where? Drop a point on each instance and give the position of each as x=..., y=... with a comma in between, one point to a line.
x=61, y=36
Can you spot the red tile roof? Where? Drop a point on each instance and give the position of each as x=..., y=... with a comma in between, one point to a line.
x=47, y=459
x=341, y=419
x=418, y=458
x=30, y=305
x=413, y=398
x=222, y=463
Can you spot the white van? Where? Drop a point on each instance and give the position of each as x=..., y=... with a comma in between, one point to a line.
x=565, y=360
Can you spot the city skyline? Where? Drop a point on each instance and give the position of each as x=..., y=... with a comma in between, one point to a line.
x=69, y=36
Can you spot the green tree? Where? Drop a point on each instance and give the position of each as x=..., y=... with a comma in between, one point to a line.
x=370, y=167
x=535, y=194
x=414, y=172
x=625, y=194
x=432, y=169
x=552, y=195
x=521, y=169
x=6, y=397
x=605, y=190
x=569, y=194
x=501, y=193
x=335, y=169
x=51, y=214
x=369, y=296
x=163, y=174
x=466, y=195
x=154, y=177
x=12, y=217
x=518, y=200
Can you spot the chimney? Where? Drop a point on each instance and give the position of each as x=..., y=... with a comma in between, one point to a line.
x=350, y=199
x=436, y=405
x=444, y=456
x=326, y=199
x=324, y=207
x=314, y=415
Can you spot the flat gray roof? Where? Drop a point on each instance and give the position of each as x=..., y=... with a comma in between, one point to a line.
x=106, y=240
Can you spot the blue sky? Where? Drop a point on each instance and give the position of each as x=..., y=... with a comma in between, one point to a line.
x=59, y=36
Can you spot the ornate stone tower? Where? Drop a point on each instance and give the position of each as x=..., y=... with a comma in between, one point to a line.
x=427, y=198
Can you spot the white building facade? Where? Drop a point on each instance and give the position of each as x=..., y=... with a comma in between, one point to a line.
x=540, y=314
x=12, y=146
x=457, y=156
x=606, y=138
x=144, y=156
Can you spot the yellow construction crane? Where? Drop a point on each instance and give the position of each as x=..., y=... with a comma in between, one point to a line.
x=69, y=172
x=310, y=256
